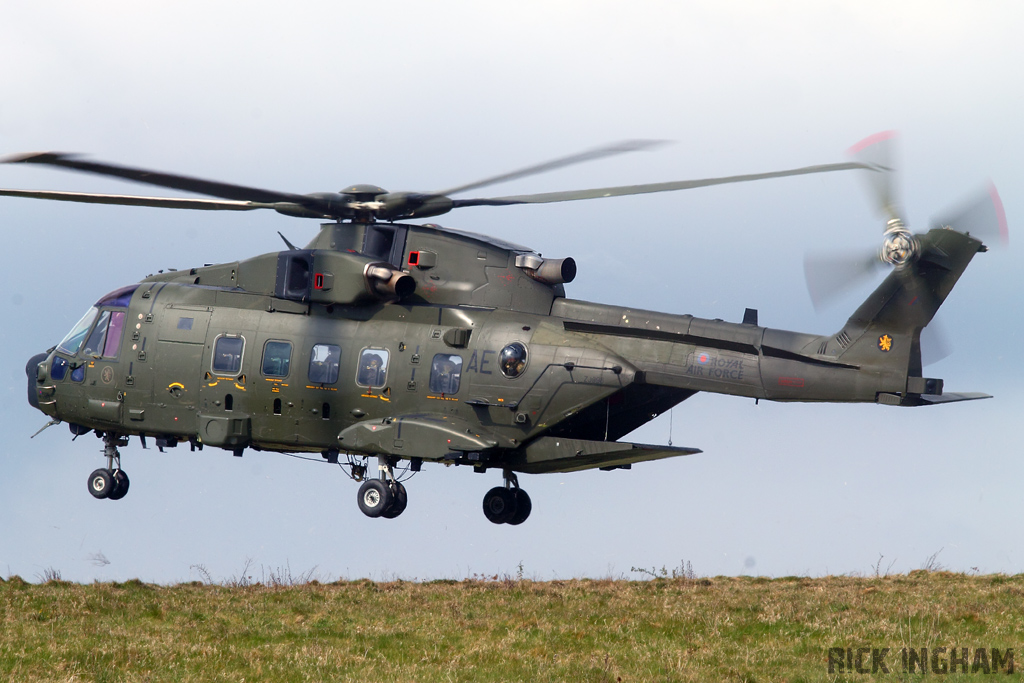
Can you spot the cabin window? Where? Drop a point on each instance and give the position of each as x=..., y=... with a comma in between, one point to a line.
x=373, y=367
x=227, y=355
x=445, y=373
x=324, y=360
x=512, y=360
x=277, y=356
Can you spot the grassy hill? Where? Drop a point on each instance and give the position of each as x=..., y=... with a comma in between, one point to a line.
x=666, y=629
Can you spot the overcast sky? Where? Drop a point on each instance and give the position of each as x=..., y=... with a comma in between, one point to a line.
x=418, y=96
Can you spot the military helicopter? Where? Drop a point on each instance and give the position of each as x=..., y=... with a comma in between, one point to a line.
x=413, y=343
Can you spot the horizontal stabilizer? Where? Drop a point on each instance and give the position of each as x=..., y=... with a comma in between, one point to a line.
x=555, y=454
x=951, y=397
x=934, y=399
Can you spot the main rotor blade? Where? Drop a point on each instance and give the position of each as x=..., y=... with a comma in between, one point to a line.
x=590, y=155
x=877, y=153
x=982, y=217
x=173, y=181
x=547, y=197
x=831, y=274
x=133, y=200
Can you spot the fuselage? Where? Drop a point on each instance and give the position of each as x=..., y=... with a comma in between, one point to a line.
x=199, y=356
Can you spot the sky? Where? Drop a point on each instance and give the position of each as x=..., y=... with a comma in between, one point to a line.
x=422, y=96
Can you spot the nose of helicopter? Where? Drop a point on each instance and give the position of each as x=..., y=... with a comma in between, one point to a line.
x=31, y=370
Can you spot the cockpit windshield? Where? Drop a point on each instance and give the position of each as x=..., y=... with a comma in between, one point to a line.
x=76, y=336
x=103, y=341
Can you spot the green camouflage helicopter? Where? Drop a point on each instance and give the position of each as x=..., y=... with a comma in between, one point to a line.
x=413, y=342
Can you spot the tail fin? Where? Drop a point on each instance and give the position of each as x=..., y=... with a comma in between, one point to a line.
x=884, y=334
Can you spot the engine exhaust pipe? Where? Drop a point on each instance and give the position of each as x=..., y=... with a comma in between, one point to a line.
x=384, y=281
x=548, y=271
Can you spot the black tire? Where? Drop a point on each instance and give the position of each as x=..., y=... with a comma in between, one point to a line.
x=523, y=506
x=374, y=497
x=399, y=500
x=499, y=505
x=120, y=486
x=101, y=483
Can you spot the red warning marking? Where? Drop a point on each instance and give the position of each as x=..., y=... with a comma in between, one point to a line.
x=791, y=381
x=871, y=140
x=1004, y=231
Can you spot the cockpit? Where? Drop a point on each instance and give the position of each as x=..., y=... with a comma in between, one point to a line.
x=97, y=335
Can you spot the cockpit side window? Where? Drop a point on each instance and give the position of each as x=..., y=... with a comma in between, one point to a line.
x=98, y=338
x=105, y=339
x=114, y=331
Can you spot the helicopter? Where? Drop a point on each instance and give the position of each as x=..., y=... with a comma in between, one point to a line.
x=412, y=343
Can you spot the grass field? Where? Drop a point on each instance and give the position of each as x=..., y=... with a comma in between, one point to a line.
x=509, y=629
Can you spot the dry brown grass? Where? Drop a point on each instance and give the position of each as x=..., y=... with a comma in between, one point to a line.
x=740, y=629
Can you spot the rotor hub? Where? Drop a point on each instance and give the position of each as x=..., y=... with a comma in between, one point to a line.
x=899, y=246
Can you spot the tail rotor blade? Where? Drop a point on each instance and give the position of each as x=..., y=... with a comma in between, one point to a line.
x=829, y=275
x=877, y=153
x=982, y=217
x=935, y=344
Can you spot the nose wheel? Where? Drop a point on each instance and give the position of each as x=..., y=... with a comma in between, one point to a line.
x=507, y=504
x=110, y=482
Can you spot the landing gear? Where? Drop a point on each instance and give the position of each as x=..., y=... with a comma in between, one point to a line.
x=101, y=483
x=524, y=506
x=384, y=497
x=120, y=485
x=507, y=504
x=374, y=497
x=398, y=502
x=111, y=482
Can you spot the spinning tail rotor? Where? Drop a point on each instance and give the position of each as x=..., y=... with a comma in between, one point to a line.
x=829, y=275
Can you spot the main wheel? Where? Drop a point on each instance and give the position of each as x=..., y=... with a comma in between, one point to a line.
x=499, y=505
x=523, y=507
x=101, y=483
x=374, y=497
x=120, y=486
x=398, y=502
